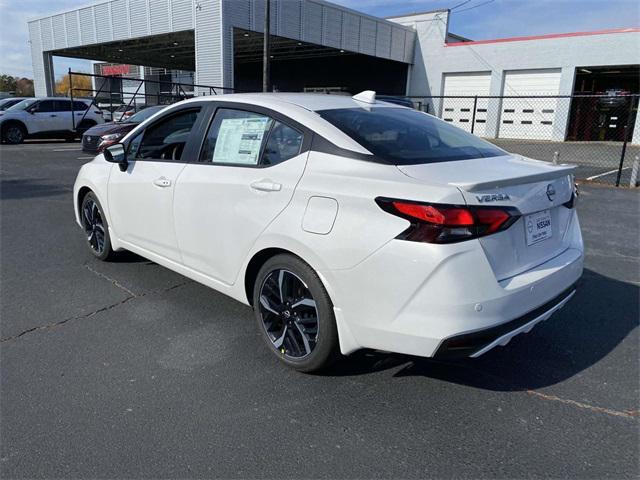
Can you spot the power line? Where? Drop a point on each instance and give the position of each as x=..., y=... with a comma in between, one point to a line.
x=459, y=5
x=476, y=6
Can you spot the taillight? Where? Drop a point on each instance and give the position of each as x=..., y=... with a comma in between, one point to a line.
x=438, y=223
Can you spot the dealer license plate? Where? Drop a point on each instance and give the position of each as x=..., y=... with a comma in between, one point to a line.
x=537, y=226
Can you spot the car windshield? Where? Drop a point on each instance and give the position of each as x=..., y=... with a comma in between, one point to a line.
x=23, y=104
x=5, y=103
x=142, y=115
x=402, y=136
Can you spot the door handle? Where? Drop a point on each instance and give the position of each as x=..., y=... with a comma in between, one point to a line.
x=162, y=182
x=266, y=186
x=53, y=115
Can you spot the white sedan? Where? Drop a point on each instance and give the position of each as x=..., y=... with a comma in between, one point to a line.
x=345, y=222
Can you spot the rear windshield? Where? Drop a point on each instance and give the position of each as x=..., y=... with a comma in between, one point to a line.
x=402, y=136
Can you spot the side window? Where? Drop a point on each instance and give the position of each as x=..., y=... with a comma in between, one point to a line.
x=235, y=137
x=134, y=144
x=284, y=143
x=80, y=106
x=46, y=106
x=165, y=140
x=63, y=105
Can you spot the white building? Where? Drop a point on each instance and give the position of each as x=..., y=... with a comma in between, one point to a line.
x=318, y=45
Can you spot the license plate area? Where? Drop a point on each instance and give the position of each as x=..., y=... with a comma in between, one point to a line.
x=537, y=227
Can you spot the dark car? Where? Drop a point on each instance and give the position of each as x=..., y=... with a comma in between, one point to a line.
x=613, y=98
x=99, y=137
x=404, y=101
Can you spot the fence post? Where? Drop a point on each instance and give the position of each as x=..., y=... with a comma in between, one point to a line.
x=634, y=172
x=556, y=157
x=624, y=143
x=473, y=115
x=73, y=113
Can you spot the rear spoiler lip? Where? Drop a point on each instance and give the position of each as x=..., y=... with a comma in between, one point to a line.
x=556, y=172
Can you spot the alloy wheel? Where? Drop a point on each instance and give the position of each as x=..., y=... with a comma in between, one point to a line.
x=93, y=226
x=13, y=135
x=289, y=314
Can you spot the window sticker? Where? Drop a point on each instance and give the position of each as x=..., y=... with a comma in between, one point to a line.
x=239, y=140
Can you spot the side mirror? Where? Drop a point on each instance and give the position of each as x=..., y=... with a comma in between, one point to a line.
x=116, y=154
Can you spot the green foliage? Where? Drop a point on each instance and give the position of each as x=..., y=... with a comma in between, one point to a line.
x=7, y=83
x=20, y=87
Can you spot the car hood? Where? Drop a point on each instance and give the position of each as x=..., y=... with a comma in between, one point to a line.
x=110, y=128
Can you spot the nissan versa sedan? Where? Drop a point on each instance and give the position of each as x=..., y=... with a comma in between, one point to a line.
x=345, y=222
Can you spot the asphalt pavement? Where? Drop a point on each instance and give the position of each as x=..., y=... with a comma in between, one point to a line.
x=128, y=370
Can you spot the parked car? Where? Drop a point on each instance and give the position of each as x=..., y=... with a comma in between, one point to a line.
x=404, y=101
x=125, y=111
x=100, y=136
x=5, y=103
x=346, y=223
x=49, y=117
x=613, y=98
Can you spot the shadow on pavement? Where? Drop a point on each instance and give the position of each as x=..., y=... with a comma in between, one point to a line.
x=600, y=316
x=28, y=188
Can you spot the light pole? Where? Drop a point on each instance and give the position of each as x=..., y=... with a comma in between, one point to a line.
x=266, y=58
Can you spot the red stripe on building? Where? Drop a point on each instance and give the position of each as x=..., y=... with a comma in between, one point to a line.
x=544, y=37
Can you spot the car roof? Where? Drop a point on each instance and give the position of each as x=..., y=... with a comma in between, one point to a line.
x=309, y=101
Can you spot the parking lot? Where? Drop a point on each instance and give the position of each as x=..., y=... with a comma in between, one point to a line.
x=128, y=370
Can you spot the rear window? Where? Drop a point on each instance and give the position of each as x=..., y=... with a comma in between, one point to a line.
x=407, y=137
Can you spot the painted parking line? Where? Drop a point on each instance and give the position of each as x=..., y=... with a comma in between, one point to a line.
x=66, y=149
x=85, y=158
x=593, y=177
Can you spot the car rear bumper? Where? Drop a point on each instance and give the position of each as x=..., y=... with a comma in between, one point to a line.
x=477, y=343
x=424, y=299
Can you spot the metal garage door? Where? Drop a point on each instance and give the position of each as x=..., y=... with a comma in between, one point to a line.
x=530, y=118
x=459, y=111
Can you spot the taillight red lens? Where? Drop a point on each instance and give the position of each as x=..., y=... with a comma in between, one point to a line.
x=437, y=223
x=492, y=219
x=438, y=214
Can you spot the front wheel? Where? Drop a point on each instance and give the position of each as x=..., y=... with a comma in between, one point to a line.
x=13, y=134
x=96, y=227
x=295, y=314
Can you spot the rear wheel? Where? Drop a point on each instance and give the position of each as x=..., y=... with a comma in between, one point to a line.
x=295, y=314
x=13, y=133
x=96, y=227
x=83, y=126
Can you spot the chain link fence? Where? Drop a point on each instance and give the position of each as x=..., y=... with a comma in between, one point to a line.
x=596, y=132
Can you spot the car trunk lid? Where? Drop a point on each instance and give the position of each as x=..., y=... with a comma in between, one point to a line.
x=537, y=189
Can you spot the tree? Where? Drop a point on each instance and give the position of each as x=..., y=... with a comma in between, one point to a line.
x=81, y=86
x=7, y=83
x=24, y=87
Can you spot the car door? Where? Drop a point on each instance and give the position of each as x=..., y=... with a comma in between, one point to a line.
x=44, y=117
x=141, y=198
x=64, y=116
x=249, y=165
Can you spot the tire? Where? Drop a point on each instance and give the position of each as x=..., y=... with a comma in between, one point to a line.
x=83, y=127
x=13, y=134
x=287, y=296
x=96, y=228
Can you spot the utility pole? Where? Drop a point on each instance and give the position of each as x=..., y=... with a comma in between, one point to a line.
x=266, y=59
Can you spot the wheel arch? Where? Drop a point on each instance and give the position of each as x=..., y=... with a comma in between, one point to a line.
x=348, y=342
x=14, y=121
x=82, y=192
x=255, y=264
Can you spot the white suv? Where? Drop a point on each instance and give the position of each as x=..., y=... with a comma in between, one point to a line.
x=49, y=117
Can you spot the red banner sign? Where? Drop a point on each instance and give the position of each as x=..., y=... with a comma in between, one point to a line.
x=115, y=69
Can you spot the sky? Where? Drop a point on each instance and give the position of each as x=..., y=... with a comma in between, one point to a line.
x=475, y=19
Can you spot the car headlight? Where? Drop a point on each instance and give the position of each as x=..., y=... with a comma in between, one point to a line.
x=111, y=137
